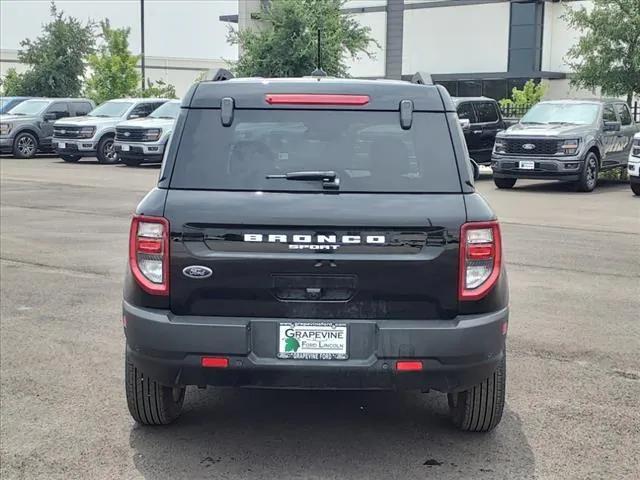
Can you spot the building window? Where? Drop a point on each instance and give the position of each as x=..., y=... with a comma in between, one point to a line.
x=525, y=36
x=469, y=88
x=496, y=89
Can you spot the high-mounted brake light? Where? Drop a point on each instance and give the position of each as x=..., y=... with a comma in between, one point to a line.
x=315, y=99
x=480, y=259
x=149, y=253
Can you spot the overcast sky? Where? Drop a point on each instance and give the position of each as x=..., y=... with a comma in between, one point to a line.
x=173, y=28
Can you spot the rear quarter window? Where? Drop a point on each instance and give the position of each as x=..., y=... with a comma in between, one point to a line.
x=368, y=150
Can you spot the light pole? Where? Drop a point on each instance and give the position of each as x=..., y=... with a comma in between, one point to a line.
x=142, y=42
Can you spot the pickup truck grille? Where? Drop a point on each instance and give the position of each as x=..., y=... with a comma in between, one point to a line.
x=130, y=134
x=540, y=146
x=66, y=132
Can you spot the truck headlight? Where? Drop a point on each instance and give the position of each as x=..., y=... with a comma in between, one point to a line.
x=5, y=128
x=569, y=147
x=500, y=146
x=86, y=132
x=635, y=148
x=152, y=134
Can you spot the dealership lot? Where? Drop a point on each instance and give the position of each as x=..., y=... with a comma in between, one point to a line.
x=573, y=372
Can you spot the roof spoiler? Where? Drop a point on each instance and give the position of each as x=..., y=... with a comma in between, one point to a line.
x=218, y=75
x=422, y=78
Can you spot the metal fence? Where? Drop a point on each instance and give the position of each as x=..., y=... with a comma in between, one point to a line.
x=518, y=111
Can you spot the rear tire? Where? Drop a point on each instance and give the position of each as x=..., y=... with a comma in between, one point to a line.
x=504, y=182
x=70, y=158
x=25, y=145
x=480, y=408
x=149, y=402
x=106, y=151
x=589, y=176
x=635, y=188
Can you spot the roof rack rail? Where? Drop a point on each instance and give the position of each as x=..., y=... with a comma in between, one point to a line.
x=218, y=75
x=422, y=78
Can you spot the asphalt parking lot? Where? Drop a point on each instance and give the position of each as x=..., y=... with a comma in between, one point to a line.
x=573, y=354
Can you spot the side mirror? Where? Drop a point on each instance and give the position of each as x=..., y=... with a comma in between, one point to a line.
x=465, y=123
x=476, y=169
x=50, y=116
x=612, y=126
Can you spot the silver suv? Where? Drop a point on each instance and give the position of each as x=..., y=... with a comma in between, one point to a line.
x=93, y=135
x=28, y=127
x=143, y=140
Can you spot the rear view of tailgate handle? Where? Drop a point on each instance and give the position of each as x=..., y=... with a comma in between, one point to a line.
x=337, y=288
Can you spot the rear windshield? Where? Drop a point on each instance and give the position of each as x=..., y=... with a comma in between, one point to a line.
x=368, y=151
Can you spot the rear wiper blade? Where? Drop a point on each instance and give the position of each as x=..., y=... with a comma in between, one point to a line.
x=329, y=178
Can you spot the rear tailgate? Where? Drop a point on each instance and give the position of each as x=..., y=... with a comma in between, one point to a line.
x=320, y=256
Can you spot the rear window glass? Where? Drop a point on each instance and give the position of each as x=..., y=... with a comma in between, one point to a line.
x=369, y=151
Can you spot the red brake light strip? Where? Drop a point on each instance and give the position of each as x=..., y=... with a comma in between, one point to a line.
x=315, y=99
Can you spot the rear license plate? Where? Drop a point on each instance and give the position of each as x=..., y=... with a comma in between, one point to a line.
x=62, y=145
x=313, y=341
x=527, y=164
x=125, y=148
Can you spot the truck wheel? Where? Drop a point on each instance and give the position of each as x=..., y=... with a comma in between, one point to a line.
x=479, y=409
x=149, y=402
x=589, y=175
x=635, y=188
x=70, y=158
x=25, y=145
x=131, y=162
x=504, y=182
x=106, y=151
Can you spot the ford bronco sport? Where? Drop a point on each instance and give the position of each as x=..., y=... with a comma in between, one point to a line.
x=316, y=233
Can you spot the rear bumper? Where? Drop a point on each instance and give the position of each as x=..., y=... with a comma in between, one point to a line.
x=567, y=168
x=456, y=354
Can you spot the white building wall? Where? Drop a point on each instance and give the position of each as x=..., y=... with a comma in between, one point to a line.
x=362, y=65
x=457, y=39
x=558, y=36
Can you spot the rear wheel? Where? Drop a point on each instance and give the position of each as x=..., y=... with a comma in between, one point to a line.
x=25, y=145
x=635, y=188
x=504, y=182
x=70, y=158
x=589, y=175
x=480, y=408
x=106, y=151
x=149, y=402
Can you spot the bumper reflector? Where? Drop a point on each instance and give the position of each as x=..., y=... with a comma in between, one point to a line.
x=408, y=365
x=214, y=362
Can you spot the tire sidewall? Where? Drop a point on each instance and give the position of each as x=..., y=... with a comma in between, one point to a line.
x=585, y=184
x=16, y=150
x=102, y=147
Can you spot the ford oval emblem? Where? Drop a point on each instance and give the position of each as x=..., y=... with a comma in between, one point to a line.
x=197, y=271
x=528, y=146
x=126, y=134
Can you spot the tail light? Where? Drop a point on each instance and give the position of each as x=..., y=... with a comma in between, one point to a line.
x=480, y=259
x=149, y=253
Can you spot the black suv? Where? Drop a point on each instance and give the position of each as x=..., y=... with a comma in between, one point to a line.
x=481, y=120
x=316, y=233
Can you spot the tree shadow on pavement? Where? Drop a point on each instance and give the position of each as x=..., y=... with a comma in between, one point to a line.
x=264, y=434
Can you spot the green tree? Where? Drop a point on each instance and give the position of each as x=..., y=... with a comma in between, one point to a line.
x=530, y=94
x=11, y=84
x=157, y=89
x=56, y=59
x=114, y=67
x=607, y=55
x=286, y=43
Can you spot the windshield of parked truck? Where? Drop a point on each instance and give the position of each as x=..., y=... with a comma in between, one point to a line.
x=111, y=109
x=559, y=113
x=167, y=110
x=29, y=107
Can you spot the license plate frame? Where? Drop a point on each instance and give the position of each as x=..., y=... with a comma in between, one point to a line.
x=526, y=165
x=309, y=343
x=62, y=145
x=125, y=148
